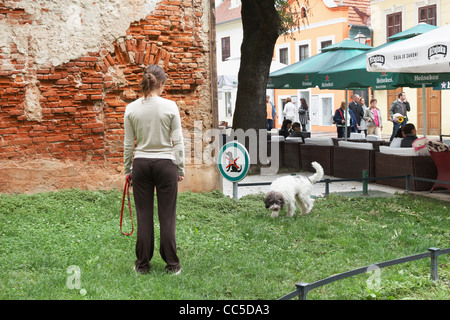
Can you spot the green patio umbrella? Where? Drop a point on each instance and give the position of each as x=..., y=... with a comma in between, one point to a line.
x=302, y=75
x=352, y=73
x=420, y=61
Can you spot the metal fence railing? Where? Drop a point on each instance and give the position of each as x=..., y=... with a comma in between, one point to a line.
x=303, y=288
x=365, y=180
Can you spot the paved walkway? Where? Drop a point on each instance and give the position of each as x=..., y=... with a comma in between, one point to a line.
x=344, y=188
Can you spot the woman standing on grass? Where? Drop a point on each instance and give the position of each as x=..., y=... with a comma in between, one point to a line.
x=154, y=124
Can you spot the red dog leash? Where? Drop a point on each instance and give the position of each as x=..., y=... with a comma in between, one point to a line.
x=126, y=191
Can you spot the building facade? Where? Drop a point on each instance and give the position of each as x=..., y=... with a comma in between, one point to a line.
x=326, y=22
x=393, y=16
x=229, y=35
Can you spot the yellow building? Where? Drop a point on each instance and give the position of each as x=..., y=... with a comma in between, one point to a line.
x=328, y=22
x=392, y=16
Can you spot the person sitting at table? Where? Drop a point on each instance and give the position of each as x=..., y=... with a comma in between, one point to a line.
x=409, y=135
x=284, y=131
x=397, y=140
x=296, y=130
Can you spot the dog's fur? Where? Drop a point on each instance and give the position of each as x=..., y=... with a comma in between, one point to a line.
x=292, y=190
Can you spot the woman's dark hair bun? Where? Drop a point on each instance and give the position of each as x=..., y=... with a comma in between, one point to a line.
x=154, y=76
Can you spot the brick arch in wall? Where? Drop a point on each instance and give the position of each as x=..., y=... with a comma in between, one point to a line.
x=128, y=61
x=122, y=73
x=75, y=110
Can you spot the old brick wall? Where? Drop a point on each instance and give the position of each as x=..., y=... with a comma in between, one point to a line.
x=61, y=114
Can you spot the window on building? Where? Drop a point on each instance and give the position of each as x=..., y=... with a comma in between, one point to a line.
x=303, y=13
x=303, y=52
x=228, y=107
x=284, y=55
x=235, y=3
x=225, y=48
x=325, y=44
x=428, y=14
x=394, y=24
x=326, y=102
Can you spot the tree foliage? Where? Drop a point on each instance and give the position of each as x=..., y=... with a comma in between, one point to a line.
x=293, y=14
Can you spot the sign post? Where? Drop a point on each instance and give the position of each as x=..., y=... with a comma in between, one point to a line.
x=233, y=163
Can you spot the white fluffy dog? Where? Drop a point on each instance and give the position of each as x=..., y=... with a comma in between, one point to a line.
x=292, y=190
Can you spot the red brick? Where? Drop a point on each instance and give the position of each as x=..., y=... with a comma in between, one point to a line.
x=57, y=138
x=80, y=97
x=38, y=139
x=9, y=131
x=89, y=59
x=43, y=71
x=92, y=125
x=39, y=128
x=70, y=109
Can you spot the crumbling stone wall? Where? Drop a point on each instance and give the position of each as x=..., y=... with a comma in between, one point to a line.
x=67, y=71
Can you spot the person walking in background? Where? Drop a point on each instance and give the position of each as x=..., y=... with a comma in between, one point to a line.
x=303, y=114
x=153, y=131
x=289, y=110
x=357, y=110
x=341, y=122
x=372, y=116
x=271, y=114
x=401, y=105
x=363, y=124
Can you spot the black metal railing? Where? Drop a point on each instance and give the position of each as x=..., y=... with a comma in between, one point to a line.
x=363, y=179
x=304, y=288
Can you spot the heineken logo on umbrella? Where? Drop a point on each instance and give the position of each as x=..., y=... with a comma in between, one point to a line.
x=445, y=85
x=327, y=84
x=307, y=82
x=377, y=59
x=384, y=79
x=440, y=49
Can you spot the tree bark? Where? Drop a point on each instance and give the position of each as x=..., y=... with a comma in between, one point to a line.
x=261, y=25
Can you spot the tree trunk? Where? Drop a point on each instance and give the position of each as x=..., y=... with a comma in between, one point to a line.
x=261, y=24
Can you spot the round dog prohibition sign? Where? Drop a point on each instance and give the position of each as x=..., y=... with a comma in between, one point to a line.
x=233, y=161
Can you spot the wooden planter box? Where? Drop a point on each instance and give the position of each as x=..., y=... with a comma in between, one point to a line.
x=321, y=154
x=292, y=155
x=395, y=165
x=351, y=162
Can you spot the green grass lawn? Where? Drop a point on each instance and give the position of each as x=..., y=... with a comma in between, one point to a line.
x=227, y=251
